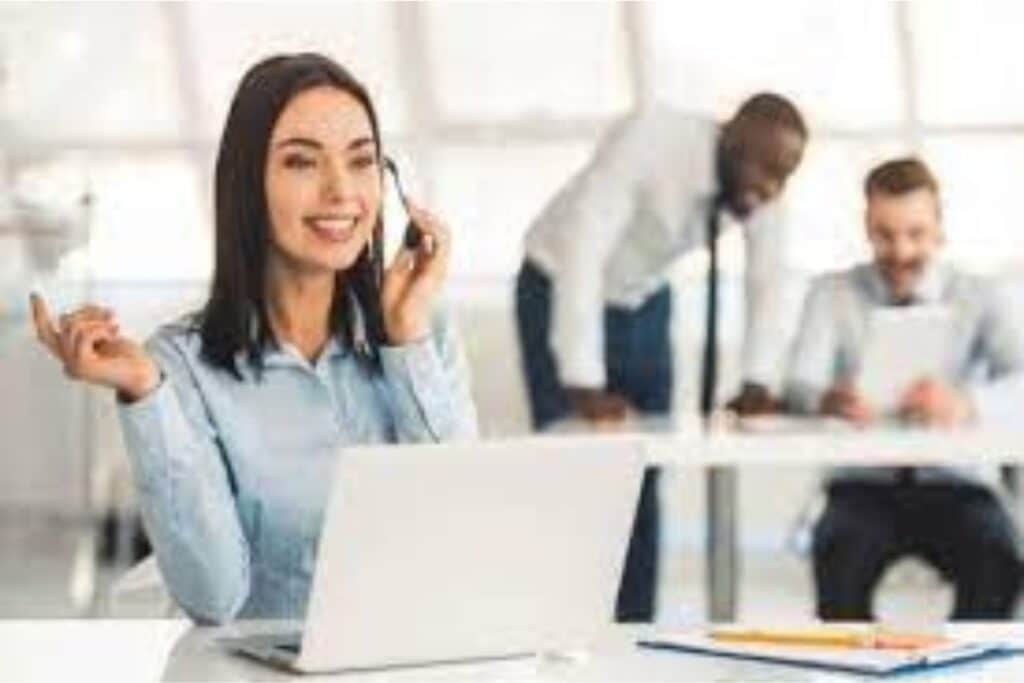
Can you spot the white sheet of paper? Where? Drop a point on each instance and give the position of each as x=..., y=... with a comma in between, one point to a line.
x=902, y=346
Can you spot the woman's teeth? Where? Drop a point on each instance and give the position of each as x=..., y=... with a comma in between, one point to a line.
x=336, y=229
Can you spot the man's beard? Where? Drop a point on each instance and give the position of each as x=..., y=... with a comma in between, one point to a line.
x=903, y=277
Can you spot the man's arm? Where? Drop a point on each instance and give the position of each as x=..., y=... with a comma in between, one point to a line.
x=998, y=345
x=767, y=333
x=813, y=358
x=1001, y=345
x=594, y=210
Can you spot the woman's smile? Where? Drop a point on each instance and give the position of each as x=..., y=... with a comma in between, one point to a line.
x=333, y=228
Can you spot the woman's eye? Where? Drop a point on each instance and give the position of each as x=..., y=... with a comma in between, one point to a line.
x=362, y=162
x=298, y=161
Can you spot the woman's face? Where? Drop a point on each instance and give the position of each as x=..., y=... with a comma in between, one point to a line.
x=322, y=181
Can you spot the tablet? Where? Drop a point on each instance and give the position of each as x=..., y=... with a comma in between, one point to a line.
x=903, y=345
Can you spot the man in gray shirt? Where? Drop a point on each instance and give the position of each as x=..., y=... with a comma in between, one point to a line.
x=874, y=516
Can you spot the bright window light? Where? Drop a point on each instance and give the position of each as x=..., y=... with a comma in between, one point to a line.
x=87, y=72
x=968, y=61
x=497, y=60
x=501, y=148
x=228, y=38
x=491, y=196
x=980, y=178
x=148, y=222
x=839, y=61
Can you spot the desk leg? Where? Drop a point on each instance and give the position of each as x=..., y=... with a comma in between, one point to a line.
x=722, y=570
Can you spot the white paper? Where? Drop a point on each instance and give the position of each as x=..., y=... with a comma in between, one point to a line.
x=902, y=346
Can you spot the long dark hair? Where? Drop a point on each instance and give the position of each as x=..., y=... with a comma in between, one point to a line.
x=235, y=318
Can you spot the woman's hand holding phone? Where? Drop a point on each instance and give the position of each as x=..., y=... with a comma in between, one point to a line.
x=414, y=277
x=89, y=346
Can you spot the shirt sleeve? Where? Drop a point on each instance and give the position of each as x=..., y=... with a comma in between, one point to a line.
x=594, y=211
x=1001, y=345
x=768, y=328
x=428, y=382
x=185, y=494
x=813, y=358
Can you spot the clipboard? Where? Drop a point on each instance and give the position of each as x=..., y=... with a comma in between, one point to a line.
x=859, y=660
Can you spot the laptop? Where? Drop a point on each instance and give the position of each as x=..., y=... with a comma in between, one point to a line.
x=443, y=553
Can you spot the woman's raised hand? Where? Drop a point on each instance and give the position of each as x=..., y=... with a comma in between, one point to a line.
x=89, y=346
x=412, y=280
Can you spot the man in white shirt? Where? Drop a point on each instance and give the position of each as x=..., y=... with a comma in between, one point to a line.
x=592, y=300
x=874, y=516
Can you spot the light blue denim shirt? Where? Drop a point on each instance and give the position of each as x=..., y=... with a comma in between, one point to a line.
x=233, y=476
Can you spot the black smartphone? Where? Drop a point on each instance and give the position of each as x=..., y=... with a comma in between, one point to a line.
x=412, y=237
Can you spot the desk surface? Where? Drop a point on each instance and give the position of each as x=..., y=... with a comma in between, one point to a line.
x=172, y=650
x=783, y=441
x=787, y=441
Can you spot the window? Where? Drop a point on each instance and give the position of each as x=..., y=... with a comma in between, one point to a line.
x=838, y=61
x=228, y=38
x=491, y=195
x=147, y=220
x=87, y=72
x=496, y=61
x=980, y=179
x=499, y=103
x=967, y=59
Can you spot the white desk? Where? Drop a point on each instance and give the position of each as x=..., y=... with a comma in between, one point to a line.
x=793, y=443
x=807, y=443
x=852, y=447
x=722, y=452
x=154, y=650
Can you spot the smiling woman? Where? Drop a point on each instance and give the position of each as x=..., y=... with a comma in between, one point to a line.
x=232, y=416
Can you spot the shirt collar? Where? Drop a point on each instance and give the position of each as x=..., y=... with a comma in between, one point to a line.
x=287, y=355
x=927, y=290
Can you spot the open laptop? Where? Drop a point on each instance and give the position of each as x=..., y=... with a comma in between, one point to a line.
x=452, y=552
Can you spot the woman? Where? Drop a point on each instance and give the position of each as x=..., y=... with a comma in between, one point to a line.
x=232, y=416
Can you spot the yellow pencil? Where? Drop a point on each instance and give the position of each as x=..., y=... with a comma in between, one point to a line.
x=824, y=636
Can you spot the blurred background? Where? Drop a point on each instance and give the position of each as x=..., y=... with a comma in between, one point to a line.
x=109, y=121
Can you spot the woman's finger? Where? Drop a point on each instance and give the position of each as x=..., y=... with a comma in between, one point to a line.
x=397, y=277
x=404, y=261
x=433, y=228
x=89, y=312
x=435, y=260
x=45, y=330
x=64, y=326
x=87, y=329
x=86, y=336
x=68, y=322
